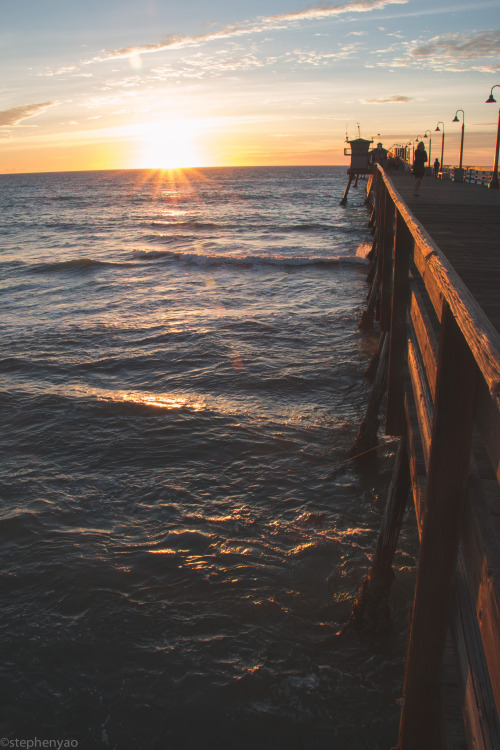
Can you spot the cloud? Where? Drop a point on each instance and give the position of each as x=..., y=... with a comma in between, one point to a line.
x=452, y=53
x=14, y=116
x=323, y=58
x=396, y=99
x=260, y=25
x=478, y=44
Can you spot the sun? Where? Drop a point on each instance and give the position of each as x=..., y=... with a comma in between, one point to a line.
x=169, y=144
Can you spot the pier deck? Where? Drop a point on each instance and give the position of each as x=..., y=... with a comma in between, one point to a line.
x=435, y=294
x=464, y=221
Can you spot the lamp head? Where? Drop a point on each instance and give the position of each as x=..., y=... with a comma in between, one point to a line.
x=438, y=129
x=455, y=119
x=490, y=99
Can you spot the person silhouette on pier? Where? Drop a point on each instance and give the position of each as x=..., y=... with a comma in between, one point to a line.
x=436, y=166
x=378, y=155
x=419, y=166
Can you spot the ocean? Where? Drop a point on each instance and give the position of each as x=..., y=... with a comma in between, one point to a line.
x=183, y=537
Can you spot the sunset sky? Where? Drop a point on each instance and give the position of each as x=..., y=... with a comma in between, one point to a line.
x=129, y=83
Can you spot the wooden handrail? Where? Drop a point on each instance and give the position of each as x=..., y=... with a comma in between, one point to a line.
x=481, y=336
x=438, y=391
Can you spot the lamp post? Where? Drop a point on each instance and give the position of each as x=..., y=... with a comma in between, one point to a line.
x=442, y=141
x=460, y=176
x=494, y=176
x=430, y=144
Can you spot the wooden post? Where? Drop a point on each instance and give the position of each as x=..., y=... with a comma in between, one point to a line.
x=369, y=188
x=375, y=273
x=344, y=197
x=421, y=716
x=395, y=423
x=367, y=434
x=387, y=241
x=371, y=610
x=366, y=322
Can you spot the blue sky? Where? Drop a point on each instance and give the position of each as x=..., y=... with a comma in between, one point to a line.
x=109, y=83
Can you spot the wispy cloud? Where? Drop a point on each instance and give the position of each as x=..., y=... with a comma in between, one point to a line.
x=260, y=25
x=473, y=46
x=312, y=57
x=15, y=115
x=396, y=99
x=450, y=52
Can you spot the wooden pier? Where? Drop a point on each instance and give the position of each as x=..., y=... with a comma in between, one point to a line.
x=436, y=298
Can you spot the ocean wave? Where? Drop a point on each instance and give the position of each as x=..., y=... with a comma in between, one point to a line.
x=285, y=261
x=172, y=239
x=192, y=224
x=305, y=227
x=77, y=264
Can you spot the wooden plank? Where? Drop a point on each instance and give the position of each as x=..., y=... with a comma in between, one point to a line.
x=369, y=189
x=452, y=701
x=482, y=555
x=421, y=725
x=415, y=457
x=387, y=262
x=480, y=713
x=427, y=341
x=421, y=396
x=420, y=256
x=488, y=419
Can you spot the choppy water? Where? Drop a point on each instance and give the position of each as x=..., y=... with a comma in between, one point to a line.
x=180, y=372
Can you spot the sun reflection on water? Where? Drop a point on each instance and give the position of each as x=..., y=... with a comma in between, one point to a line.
x=162, y=401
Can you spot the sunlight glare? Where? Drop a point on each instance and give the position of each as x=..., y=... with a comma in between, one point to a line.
x=170, y=144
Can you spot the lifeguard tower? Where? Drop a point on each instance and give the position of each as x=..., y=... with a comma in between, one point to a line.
x=360, y=161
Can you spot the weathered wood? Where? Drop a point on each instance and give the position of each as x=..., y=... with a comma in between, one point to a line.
x=421, y=257
x=452, y=701
x=367, y=435
x=422, y=400
x=369, y=190
x=482, y=553
x=386, y=253
x=395, y=421
x=371, y=370
x=488, y=418
x=371, y=611
x=480, y=713
x=416, y=459
x=346, y=191
x=421, y=725
x=427, y=341
x=366, y=322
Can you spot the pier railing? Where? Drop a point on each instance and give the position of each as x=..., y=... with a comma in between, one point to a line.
x=474, y=175
x=443, y=396
x=478, y=175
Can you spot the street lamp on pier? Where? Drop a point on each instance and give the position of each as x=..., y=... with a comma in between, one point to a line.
x=430, y=144
x=460, y=176
x=494, y=176
x=438, y=129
